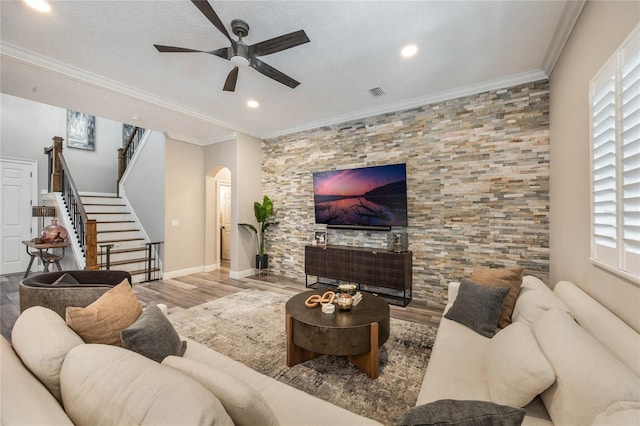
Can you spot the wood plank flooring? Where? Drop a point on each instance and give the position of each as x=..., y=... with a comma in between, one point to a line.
x=191, y=290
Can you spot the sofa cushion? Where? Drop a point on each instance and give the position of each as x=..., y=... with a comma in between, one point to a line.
x=618, y=414
x=589, y=378
x=535, y=299
x=478, y=306
x=517, y=370
x=24, y=400
x=289, y=404
x=103, y=384
x=103, y=320
x=153, y=336
x=243, y=403
x=42, y=339
x=456, y=368
x=501, y=277
x=461, y=412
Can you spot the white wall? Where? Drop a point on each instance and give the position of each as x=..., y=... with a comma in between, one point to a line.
x=28, y=127
x=144, y=186
x=247, y=190
x=184, y=204
x=601, y=28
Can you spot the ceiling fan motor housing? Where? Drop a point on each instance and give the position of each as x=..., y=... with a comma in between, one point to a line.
x=240, y=28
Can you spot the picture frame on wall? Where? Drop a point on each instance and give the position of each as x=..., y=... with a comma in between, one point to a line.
x=319, y=238
x=81, y=130
x=127, y=129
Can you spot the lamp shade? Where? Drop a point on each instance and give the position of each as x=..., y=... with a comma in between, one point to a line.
x=43, y=211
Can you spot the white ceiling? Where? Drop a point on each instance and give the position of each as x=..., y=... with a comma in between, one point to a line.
x=98, y=57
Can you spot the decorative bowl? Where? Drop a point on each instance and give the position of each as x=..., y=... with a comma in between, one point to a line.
x=347, y=288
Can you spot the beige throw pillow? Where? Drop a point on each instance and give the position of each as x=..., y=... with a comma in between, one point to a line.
x=501, y=277
x=517, y=370
x=103, y=320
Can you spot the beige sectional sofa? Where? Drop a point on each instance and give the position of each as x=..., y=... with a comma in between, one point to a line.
x=566, y=359
x=49, y=376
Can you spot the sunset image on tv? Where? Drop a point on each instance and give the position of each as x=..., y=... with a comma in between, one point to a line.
x=369, y=196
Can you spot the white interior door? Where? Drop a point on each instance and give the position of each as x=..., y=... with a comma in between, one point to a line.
x=225, y=222
x=18, y=189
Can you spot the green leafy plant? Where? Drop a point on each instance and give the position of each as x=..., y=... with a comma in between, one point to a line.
x=262, y=211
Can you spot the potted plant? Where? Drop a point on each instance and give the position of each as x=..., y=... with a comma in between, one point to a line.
x=262, y=211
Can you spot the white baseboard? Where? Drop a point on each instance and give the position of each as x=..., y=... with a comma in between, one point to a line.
x=182, y=272
x=242, y=274
x=211, y=268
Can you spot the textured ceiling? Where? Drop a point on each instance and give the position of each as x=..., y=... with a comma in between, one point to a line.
x=98, y=57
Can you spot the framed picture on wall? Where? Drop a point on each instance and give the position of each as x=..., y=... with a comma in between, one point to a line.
x=319, y=238
x=81, y=130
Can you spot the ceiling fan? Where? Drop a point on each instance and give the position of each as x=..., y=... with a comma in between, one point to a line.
x=242, y=55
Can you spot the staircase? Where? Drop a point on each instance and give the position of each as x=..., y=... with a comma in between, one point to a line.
x=117, y=227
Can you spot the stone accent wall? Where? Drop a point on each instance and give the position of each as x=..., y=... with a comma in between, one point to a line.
x=477, y=180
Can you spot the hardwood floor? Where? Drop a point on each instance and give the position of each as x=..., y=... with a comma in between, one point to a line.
x=191, y=290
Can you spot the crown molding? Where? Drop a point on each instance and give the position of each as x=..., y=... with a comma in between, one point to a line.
x=193, y=141
x=570, y=14
x=95, y=80
x=474, y=89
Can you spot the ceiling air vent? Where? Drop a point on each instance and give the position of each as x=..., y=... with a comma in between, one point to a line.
x=376, y=91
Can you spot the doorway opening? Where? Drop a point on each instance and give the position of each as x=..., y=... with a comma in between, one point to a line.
x=218, y=251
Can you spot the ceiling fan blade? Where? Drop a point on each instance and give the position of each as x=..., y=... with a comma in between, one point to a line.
x=207, y=10
x=273, y=73
x=162, y=48
x=277, y=44
x=223, y=53
x=232, y=78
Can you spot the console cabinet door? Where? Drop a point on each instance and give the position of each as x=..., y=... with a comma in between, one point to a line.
x=363, y=267
x=393, y=270
x=315, y=261
x=338, y=266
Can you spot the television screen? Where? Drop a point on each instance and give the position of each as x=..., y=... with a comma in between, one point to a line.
x=361, y=198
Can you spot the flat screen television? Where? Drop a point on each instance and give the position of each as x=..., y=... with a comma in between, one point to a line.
x=372, y=198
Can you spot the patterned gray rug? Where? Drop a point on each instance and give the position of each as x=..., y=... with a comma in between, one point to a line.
x=249, y=327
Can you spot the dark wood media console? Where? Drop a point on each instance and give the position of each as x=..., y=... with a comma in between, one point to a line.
x=381, y=272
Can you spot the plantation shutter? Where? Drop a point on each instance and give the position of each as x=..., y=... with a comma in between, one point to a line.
x=603, y=160
x=630, y=142
x=614, y=96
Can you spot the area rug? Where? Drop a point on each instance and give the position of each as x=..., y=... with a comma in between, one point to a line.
x=249, y=327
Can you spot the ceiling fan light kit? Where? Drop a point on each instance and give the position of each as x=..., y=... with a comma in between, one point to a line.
x=242, y=55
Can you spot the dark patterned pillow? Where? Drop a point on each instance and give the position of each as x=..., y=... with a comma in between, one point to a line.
x=462, y=413
x=478, y=307
x=153, y=336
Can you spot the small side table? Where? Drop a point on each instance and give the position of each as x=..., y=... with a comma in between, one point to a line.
x=43, y=253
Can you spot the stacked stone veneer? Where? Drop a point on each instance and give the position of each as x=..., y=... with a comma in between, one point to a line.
x=477, y=180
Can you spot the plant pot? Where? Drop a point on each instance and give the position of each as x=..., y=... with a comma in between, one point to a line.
x=262, y=262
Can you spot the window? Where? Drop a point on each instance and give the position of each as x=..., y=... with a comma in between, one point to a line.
x=614, y=96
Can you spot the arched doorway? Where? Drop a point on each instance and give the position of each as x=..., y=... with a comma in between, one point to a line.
x=218, y=219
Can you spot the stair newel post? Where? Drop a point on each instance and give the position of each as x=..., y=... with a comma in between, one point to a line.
x=122, y=165
x=91, y=247
x=56, y=176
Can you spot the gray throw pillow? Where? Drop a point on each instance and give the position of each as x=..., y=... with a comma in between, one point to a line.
x=153, y=336
x=478, y=307
x=463, y=413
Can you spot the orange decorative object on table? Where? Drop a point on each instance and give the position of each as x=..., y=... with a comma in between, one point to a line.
x=317, y=300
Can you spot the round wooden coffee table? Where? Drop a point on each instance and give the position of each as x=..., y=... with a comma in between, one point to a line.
x=356, y=334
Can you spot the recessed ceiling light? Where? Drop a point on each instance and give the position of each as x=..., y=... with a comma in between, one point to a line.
x=409, y=51
x=253, y=104
x=39, y=5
